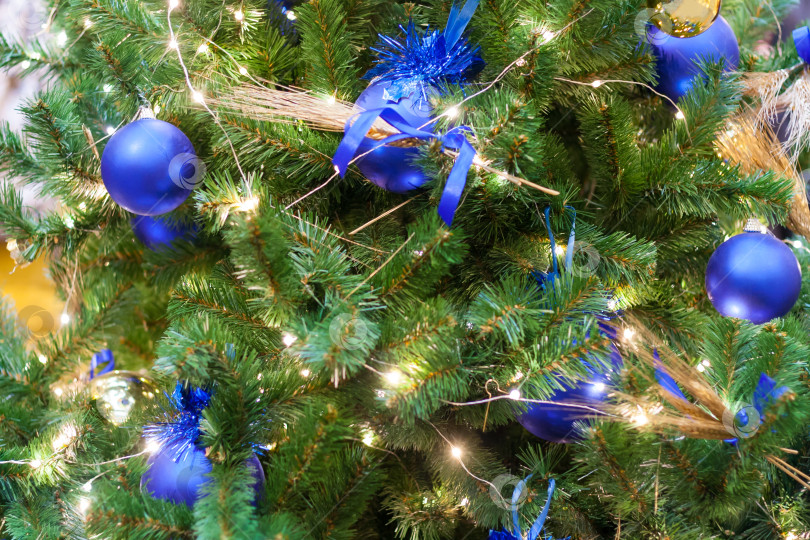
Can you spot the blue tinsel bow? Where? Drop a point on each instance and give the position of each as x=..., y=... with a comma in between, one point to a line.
x=537, y=526
x=181, y=428
x=453, y=139
x=427, y=61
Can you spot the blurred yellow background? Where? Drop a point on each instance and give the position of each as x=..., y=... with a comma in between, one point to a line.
x=33, y=294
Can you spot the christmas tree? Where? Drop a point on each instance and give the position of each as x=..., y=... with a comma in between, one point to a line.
x=369, y=269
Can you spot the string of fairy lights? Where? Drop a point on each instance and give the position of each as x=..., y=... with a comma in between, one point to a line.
x=393, y=378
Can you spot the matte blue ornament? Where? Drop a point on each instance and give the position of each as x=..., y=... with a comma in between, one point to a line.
x=158, y=233
x=678, y=59
x=149, y=167
x=180, y=478
x=555, y=422
x=753, y=276
x=392, y=167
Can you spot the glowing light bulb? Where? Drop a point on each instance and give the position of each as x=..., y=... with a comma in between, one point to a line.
x=35, y=463
x=173, y=44
x=43, y=359
x=11, y=245
x=394, y=377
x=514, y=394
x=243, y=70
x=305, y=373
x=640, y=419
x=64, y=318
x=57, y=391
x=548, y=35
x=518, y=376
x=173, y=4
x=679, y=115
x=238, y=15
x=64, y=437
x=706, y=363
x=110, y=130
x=597, y=83
x=452, y=112
x=456, y=452
x=599, y=387
x=248, y=205
x=87, y=22
x=84, y=504
x=156, y=108
x=465, y=501
x=291, y=15
x=152, y=446
x=61, y=38
x=331, y=100
x=203, y=48
x=629, y=333
x=288, y=339
x=797, y=244
x=559, y=250
x=368, y=437
x=107, y=88
x=87, y=486
x=25, y=64
x=197, y=96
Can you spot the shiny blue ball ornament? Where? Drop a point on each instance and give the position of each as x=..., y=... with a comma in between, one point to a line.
x=753, y=276
x=678, y=59
x=178, y=478
x=158, y=233
x=149, y=167
x=391, y=167
x=556, y=422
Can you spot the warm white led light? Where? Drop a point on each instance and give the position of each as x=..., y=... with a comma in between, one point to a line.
x=238, y=15
x=514, y=394
x=456, y=452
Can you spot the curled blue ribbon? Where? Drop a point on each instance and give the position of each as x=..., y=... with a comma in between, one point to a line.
x=104, y=356
x=569, y=249
x=537, y=526
x=454, y=139
x=801, y=37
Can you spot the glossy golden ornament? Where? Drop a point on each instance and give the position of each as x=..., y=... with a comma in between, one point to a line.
x=117, y=393
x=684, y=18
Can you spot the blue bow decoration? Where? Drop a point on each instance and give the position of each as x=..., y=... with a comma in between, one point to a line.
x=542, y=277
x=537, y=526
x=103, y=357
x=428, y=60
x=454, y=139
x=801, y=37
x=765, y=394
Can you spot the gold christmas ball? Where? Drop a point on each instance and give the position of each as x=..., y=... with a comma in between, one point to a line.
x=684, y=18
x=117, y=393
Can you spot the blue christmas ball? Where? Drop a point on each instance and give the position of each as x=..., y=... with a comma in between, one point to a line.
x=392, y=167
x=753, y=276
x=678, y=59
x=149, y=167
x=158, y=233
x=556, y=422
x=178, y=478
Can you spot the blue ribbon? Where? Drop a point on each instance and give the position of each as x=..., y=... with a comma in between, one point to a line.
x=765, y=392
x=101, y=357
x=801, y=37
x=569, y=250
x=457, y=21
x=537, y=526
x=454, y=139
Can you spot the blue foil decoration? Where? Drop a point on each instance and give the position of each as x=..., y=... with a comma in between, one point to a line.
x=454, y=139
x=429, y=60
x=537, y=526
x=181, y=428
